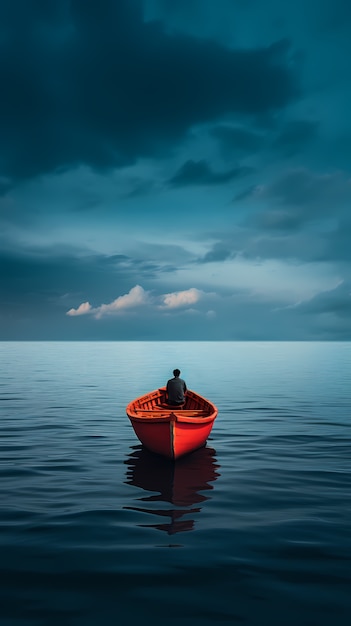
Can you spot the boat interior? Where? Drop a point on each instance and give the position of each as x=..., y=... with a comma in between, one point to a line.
x=155, y=403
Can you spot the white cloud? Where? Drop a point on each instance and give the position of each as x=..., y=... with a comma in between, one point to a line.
x=181, y=298
x=137, y=297
x=83, y=309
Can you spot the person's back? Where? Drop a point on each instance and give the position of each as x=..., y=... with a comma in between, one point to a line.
x=176, y=389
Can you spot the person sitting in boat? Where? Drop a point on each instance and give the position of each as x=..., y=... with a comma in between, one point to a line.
x=176, y=389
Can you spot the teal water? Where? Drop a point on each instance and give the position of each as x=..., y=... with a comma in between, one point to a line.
x=252, y=529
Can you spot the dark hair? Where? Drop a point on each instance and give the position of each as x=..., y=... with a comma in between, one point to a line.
x=176, y=373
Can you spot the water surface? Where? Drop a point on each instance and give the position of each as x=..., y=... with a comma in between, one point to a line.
x=252, y=529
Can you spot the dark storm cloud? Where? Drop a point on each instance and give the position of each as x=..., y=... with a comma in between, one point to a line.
x=285, y=244
x=201, y=173
x=295, y=136
x=319, y=192
x=336, y=301
x=236, y=139
x=334, y=14
x=298, y=197
x=278, y=220
x=39, y=286
x=5, y=186
x=289, y=244
x=241, y=243
x=287, y=139
x=220, y=251
x=338, y=247
x=91, y=82
x=301, y=216
x=329, y=313
x=36, y=275
x=283, y=236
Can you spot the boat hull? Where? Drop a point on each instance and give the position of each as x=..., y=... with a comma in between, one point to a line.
x=171, y=431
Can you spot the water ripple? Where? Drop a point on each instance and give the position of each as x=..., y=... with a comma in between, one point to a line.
x=254, y=528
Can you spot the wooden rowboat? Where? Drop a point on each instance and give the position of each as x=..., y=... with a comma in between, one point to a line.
x=171, y=431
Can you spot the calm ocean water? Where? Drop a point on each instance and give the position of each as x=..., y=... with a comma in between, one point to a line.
x=255, y=528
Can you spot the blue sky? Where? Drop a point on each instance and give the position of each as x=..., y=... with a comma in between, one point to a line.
x=175, y=170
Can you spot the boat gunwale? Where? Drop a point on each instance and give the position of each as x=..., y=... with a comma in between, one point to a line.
x=137, y=412
x=161, y=392
x=173, y=417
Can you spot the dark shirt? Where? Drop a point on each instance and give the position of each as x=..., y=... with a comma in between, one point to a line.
x=176, y=389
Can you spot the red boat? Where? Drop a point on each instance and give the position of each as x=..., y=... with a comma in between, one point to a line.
x=171, y=431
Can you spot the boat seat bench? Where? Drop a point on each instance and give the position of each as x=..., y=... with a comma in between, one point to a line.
x=158, y=413
x=191, y=412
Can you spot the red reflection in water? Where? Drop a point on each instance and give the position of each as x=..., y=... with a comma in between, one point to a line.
x=176, y=482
